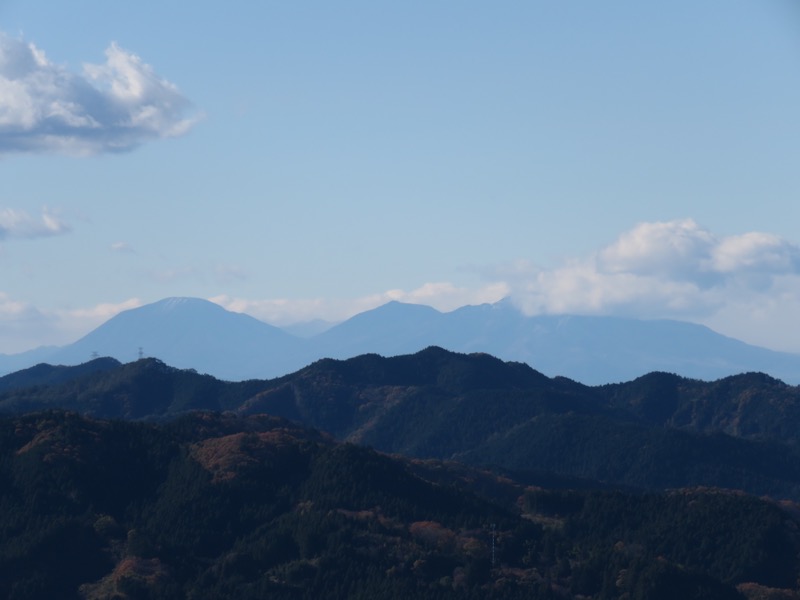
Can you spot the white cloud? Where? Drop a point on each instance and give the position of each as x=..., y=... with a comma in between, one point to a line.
x=674, y=249
x=110, y=107
x=580, y=288
x=98, y=313
x=756, y=252
x=444, y=296
x=20, y=224
x=69, y=325
x=282, y=311
x=747, y=285
x=664, y=269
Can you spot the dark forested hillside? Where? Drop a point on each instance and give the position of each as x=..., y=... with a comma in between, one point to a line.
x=219, y=506
x=657, y=432
x=145, y=389
x=44, y=374
x=749, y=405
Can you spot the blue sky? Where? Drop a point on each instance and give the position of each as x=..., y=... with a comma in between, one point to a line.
x=314, y=159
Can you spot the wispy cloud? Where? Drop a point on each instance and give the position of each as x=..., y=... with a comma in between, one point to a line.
x=20, y=322
x=123, y=248
x=109, y=107
x=24, y=326
x=11, y=309
x=20, y=224
x=70, y=324
x=225, y=274
x=99, y=313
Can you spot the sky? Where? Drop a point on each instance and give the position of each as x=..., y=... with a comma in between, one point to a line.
x=309, y=159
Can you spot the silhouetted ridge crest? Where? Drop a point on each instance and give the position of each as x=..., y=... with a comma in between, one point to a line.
x=655, y=431
x=46, y=374
x=430, y=366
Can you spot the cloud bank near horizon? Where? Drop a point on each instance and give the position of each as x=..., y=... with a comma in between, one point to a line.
x=110, y=107
x=657, y=270
x=21, y=322
x=442, y=296
x=745, y=286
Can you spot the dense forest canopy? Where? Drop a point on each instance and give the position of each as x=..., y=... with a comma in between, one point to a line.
x=657, y=432
x=212, y=506
x=433, y=475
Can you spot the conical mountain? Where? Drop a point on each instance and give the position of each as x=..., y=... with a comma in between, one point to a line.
x=197, y=334
x=190, y=333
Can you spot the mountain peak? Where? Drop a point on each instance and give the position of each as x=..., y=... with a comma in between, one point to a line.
x=396, y=305
x=191, y=333
x=196, y=333
x=181, y=303
x=177, y=301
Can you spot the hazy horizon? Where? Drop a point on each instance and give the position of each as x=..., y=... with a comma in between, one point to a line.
x=308, y=330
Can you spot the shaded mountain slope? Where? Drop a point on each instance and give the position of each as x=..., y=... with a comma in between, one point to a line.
x=476, y=409
x=10, y=363
x=145, y=389
x=614, y=452
x=480, y=410
x=210, y=507
x=749, y=405
x=418, y=396
x=45, y=374
x=218, y=507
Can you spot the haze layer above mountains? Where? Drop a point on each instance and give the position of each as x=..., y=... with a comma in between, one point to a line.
x=198, y=334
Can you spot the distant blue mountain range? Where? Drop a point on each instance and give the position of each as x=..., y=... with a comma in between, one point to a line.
x=197, y=334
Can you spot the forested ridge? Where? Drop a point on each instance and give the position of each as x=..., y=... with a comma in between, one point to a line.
x=657, y=432
x=222, y=506
x=433, y=475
